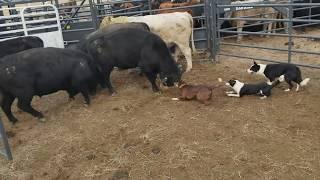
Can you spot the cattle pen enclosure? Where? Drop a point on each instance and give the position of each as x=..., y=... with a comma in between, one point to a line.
x=138, y=134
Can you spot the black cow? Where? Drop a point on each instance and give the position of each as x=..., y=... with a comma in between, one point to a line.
x=109, y=29
x=299, y=12
x=42, y=71
x=15, y=45
x=115, y=27
x=131, y=48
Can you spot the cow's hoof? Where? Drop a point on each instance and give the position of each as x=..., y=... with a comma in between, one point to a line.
x=43, y=119
x=263, y=97
x=13, y=122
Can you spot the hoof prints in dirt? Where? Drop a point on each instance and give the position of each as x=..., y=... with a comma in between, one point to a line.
x=156, y=150
x=121, y=174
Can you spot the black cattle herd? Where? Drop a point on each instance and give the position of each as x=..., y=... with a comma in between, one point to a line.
x=28, y=69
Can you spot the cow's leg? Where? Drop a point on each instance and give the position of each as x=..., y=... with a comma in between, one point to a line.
x=85, y=93
x=270, y=28
x=240, y=25
x=186, y=51
x=152, y=78
x=6, y=107
x=25, y=105
x=108, y=82
x=72, y=93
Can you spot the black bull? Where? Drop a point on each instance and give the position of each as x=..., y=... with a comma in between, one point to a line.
x=130, y=48
x=42, y=71
x=15, y=45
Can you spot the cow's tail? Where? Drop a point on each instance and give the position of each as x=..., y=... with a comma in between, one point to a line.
x=192, y=41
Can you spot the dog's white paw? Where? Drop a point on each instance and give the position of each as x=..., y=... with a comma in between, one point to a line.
x=263, y=97
x=287, y=90
x=175, y=99
x=281, y=78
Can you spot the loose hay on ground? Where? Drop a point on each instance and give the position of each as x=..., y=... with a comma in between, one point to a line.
x=140, y=135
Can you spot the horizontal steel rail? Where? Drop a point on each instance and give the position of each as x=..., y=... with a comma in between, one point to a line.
x=268, y=60
x=269, y=48
x=153, y=10
x=267, y=19
x=268, y=5
x=77, y=30
x=271, y=34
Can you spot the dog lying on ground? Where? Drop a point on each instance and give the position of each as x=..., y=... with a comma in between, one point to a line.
x=262, y=89
x=282, y=72
x=201, y=93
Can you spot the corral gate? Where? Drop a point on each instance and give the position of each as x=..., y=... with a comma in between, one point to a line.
x=41, y=21
x=224, y=39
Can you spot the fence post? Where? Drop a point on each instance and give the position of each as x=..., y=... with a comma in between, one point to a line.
x=290, y=31
x=7, y=151
x=214, y=26
x=56, y=3
x=150, y=7
x=207, y=11
x=94, y=15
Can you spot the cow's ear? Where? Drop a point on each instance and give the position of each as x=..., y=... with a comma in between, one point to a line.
x=98, y=45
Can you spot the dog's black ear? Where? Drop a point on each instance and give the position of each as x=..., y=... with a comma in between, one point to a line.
x=254, y=62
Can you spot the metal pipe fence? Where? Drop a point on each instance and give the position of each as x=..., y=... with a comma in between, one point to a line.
x=81, y=19
x=247, y=18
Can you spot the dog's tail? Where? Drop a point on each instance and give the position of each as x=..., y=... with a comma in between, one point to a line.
x=304, y=82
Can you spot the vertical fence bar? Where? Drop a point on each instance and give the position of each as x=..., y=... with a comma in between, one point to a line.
x=56, y=3
x=150, y=7
x=23, y=21
x=310, y=8
x=94, y=15
x=218, y=25
x=290, y=30
x=7, y=151
x=214, y=25
x=207, y=11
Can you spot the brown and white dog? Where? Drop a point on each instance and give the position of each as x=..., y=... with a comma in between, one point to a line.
x=201, y=93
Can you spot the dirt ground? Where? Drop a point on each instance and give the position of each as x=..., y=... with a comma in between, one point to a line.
x=138, y=134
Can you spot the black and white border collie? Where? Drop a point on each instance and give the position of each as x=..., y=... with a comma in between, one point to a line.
x=282, y=72
x=262, y=89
